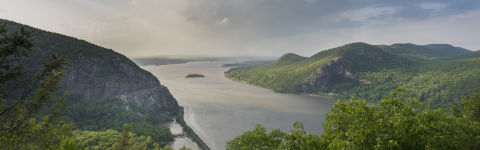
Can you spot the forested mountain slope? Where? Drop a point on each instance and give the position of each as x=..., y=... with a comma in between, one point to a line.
x=430, y=51
x=104, y=89
x=437, y=73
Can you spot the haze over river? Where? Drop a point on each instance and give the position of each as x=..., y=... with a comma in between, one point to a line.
x=219, y=109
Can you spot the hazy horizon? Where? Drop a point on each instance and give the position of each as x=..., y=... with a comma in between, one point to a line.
x=140, y=28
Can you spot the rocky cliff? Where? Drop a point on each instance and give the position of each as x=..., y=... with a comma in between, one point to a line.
x=340, y=70
x=95, y=72
x=437, y=73
x=326, y=75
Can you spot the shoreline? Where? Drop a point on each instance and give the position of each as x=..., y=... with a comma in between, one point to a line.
x=304, y=94
x=189, y=131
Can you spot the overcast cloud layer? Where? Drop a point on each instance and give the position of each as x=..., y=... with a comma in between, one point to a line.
x=139, y=28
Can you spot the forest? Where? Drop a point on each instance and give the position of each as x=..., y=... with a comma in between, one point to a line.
x=37, y=113
x=396, y=122
x=439, y=75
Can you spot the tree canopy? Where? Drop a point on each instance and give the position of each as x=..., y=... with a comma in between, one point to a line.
x=397, y=122
x=29, y=109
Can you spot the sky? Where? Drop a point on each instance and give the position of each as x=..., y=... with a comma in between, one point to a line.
x=145, y=28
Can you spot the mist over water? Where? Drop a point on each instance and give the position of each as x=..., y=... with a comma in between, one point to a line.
x=219, y=109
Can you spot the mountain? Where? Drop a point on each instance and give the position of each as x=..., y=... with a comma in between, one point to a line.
x=104, y=89
x=288, y=58
x=429, y=51
x=437, y=73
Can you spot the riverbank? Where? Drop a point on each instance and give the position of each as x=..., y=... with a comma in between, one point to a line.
x=189, y=131
x=219, y=109
x=321, y=95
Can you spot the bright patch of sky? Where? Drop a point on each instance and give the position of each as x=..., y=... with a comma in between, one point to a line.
x=250, y=27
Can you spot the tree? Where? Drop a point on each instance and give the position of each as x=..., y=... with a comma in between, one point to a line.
x=68, y=144
x=469, y=115
x=28, y=109
x=256, y=139
x=298, y=139
x=184, y=148
x=124, y=141
x=125, y=135
x=397, y=122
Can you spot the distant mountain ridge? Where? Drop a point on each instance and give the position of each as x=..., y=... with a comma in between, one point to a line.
x=364, y=70
x=424, y=51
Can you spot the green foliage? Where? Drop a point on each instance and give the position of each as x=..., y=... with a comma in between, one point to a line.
x=397, y=122
x=109, y=113
x=26, y=121
x=431, y=51
x=102, y=114
x=437, y=74
x=287, y=78
x=166, y=148
x=125, y=137
x=184, y=148
x=158, y=134
x=32, y=103
x=288, y=58
x=256, y=139
x=298, y=139
x=67, y=144
x=112, y=139
x=438, y=83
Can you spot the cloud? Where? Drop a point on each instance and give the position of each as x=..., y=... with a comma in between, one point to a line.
x=370, y=13
x=237, y=27
x=224, y=21
x=310, y=1
x=432, y=6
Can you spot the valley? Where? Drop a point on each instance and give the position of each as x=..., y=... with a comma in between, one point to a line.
x=239, y=75
x=218, y=109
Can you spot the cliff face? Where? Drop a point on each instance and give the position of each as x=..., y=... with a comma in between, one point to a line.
x=341, y=70
x=327, y=75
x=90, y=77
x=153, y=98
x=96, y=72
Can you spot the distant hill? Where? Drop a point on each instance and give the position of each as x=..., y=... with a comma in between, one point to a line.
x=288, y=58
x=163, y=60
x=437, y=73
x=430, y=51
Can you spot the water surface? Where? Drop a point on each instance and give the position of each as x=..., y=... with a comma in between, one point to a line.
x=219, y=109
x=180, y=139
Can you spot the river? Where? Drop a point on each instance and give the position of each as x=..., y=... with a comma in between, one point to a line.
x=219, y=109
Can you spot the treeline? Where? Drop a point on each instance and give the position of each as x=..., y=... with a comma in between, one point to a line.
x=396, y=122
x=110, y=114
x=439, y=84
x=115, y=140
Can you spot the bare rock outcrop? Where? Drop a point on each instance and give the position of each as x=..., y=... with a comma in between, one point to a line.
x=327, y=74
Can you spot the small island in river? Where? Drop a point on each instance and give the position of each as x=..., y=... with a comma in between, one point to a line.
x=195, y=75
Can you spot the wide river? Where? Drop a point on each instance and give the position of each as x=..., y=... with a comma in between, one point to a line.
x=219, y=109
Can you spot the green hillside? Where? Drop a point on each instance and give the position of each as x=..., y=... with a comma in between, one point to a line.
x=439, y=74
x=104, y=89
x=288, y=58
